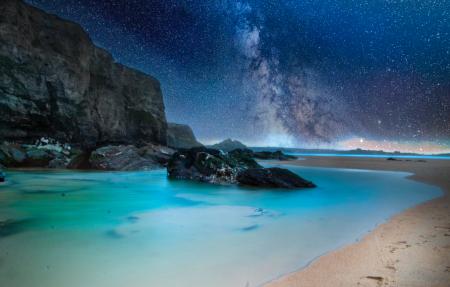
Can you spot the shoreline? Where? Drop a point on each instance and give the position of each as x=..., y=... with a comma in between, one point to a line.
x=409, y=249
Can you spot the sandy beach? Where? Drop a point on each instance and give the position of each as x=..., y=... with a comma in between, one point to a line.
x=411, y=249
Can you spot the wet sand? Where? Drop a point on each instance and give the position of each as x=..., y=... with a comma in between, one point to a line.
x=411, y=249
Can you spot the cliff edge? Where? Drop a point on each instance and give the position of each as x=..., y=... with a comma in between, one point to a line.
x=54, y=82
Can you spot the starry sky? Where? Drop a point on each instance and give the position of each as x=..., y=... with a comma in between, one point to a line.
x=298, y=73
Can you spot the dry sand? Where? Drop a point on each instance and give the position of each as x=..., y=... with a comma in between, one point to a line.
x=411, y=249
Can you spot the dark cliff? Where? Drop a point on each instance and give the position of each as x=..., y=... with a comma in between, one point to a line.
x=54, y=82
x=181, y=136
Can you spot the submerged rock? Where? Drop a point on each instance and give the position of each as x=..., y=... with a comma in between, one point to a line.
x=114, y=234
x=208, y=165
x=272, y=177
x=249, y=227
x=10, y=227
x=2, y=175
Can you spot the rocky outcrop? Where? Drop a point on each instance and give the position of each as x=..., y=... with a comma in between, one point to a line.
x=181, y=136
x=208, y=165
x=228, y=145
x=119, y=158
x=52, y=155
x=265, y=155
x=214, y=166
x=49, y=153
x=55, y=82
x=157, y=153
x=276, y=155
x=272, y=177
x=129, y=157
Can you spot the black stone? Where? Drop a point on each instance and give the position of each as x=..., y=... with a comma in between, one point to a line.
x=272, y=177
x=208, y=165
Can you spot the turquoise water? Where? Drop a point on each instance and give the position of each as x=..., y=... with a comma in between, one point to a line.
x=140, y=229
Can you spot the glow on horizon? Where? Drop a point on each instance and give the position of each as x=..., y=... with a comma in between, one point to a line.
x=283, y=141
x=422, y=147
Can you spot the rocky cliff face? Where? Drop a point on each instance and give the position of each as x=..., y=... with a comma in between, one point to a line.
x=55, y=82
x=181, y=136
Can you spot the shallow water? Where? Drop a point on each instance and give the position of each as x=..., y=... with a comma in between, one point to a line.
x=140, y=229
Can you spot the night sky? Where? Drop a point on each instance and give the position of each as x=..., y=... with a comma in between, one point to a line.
x=371, y=74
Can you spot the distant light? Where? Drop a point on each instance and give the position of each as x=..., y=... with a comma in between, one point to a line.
x=427, y=147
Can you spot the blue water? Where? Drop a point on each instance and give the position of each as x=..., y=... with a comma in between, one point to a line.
x=371, y=155
x=140, y=229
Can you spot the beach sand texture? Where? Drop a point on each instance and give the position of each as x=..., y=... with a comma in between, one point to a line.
x=411, y=249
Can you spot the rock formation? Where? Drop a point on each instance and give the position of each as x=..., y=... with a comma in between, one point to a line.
x=55, y=83
x=59, y=91
x=119, y=158
x=272, y=177
x=129, y=158
x=181, y=136
x=228, y=145
x=53, y=155
x=208, y=165
x=218, y=167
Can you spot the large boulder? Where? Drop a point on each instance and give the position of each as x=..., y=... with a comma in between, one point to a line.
x=55, y=82
x=228, y=145
x=118, y=158
x=272, y=177
x=181, y=136
x=129, y=157
x=208, y=165
x=156, y=153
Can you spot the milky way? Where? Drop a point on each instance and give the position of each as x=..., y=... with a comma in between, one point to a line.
x=285, y=108
x=296, y=73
